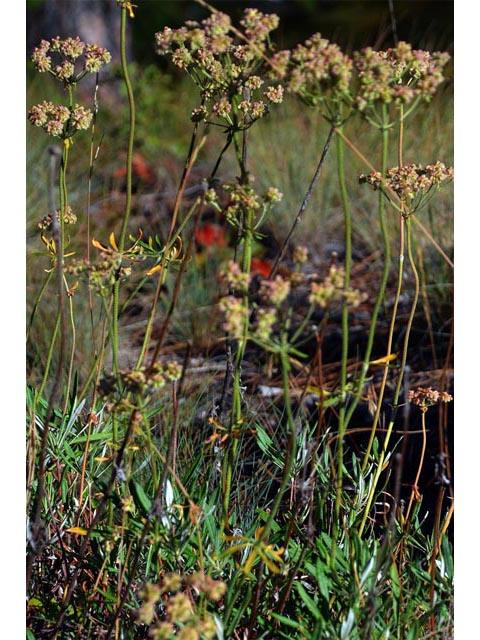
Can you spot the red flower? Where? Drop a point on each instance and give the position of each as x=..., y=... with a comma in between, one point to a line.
x=141, y=168
x=262, y=267
x=211, y=235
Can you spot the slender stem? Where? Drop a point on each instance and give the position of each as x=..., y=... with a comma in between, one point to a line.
x=384, y=279
x=400, y=375
x=190, y=160
x=343, y=367
x=292, y=445
x=304, y=204
x=128, y=200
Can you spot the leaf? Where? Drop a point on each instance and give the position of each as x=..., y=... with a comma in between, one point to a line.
x=286, y=621
x=113, y=241
x=168, y=493
x=347, y=625
x=154, y=269
x=78, y=530
x=307, y=600
x=140, y=497
x=323, y=581
x=384, y=360
x=99, y=245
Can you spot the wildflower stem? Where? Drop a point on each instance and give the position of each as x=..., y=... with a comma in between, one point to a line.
x=189, y=162
x=128, y=197
x=304, y=204
x=405, y=223
x=381, y=291
x=343, y=369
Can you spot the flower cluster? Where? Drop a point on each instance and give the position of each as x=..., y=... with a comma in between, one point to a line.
x=427, y=397
x=236, y=316
x=397, y=75
x=412, y=182
x=182, y=617
x=69, y=70
x=300, y=255
x=244, y=198
x=103, y=273
x=140, y=381
x=235, y=277
x=58, y=120
x=225, y=72
x=332, y=289
x=265, y=320
x=68, y=218
x=275, y=291
x=317, y=71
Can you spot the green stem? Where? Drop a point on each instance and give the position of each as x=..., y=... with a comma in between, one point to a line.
x=343, y=369
x=292, y=444
x=381, y=291
x=128, y=201
x=49, y=359
x=406, y=221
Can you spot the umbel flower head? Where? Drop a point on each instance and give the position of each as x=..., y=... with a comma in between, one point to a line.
x=427, y=397
x=227, y=73
x=412, y=183
x=58, y=120
x=69, y=60
x=398, y=75
x=318, y=72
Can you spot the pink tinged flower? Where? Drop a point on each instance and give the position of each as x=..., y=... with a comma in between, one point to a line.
x=81, y=117
x=163, y=40
x=222, y=108
x=38, y=114
x=273, y=195
x=253, y=83
x=72, y=47
x=275, y=291
x=274, y=94
x=40, y=59
x=95, y=57
x=182, y=58
x=54, y=128
x=259, y=109
x=65, y=71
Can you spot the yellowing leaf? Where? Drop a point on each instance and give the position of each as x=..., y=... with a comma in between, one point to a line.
x=113, y=241
x=317, y=391
x=153, y=270
x=78, y=530
x=385, y=359
x=98, y=245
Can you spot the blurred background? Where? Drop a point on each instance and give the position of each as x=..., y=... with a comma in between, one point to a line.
x=351, y=23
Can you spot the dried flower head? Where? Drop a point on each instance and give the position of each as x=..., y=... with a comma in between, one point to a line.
x=427, y=397
x=319, y=72
x=222, y=68
x=68, y=51
x=398, y=75
x=235, y=277
x=68, y=218
x=412, y=183
x=236, y=316
x=275, y=291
